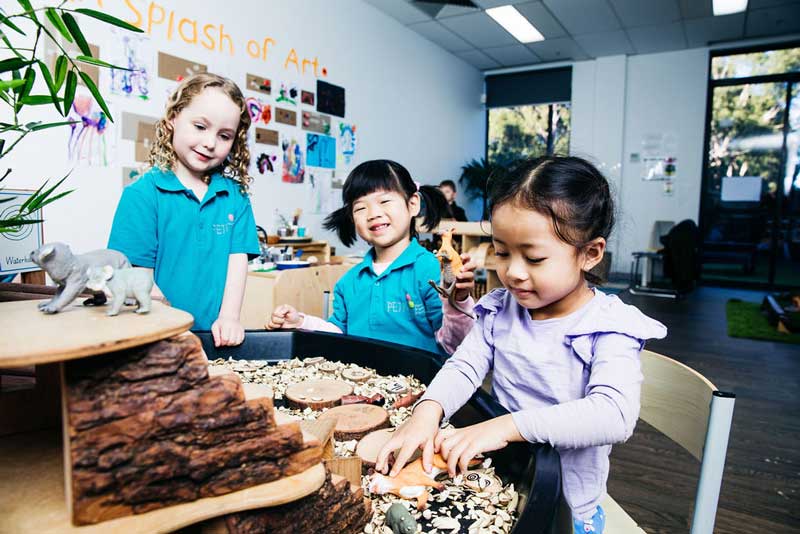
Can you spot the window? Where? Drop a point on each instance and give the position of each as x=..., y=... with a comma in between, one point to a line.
x=528, y=131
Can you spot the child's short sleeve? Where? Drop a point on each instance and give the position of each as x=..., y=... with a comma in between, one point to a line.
x=428, y=269
x=245, y=238
x=134, y=231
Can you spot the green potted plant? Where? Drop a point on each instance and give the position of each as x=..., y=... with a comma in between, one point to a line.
x=23, y=34
x=475, y=177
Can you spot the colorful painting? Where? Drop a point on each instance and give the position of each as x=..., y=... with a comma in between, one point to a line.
x=293, y=170
x=320, y=151
x=88, y=138
x=260, y=112
x=287, y=94
x=133, y=53
x=307, y=97
x=266, y=163
x=347, y=142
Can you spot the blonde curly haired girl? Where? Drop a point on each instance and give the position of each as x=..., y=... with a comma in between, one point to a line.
x=189, y=217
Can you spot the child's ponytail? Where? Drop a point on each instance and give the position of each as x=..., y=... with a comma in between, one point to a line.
x=433, y=206
x=341, y=222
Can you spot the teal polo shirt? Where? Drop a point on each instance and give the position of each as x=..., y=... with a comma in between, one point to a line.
x=162, y=225
x=399, y=305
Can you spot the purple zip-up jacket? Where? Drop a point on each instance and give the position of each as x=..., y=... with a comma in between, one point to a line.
x=573, y=381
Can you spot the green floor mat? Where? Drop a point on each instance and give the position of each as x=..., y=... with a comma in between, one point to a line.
x=746, y=320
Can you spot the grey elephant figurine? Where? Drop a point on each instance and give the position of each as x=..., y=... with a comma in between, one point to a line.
x=400, y=520
x=132, y=282
x=70, y=272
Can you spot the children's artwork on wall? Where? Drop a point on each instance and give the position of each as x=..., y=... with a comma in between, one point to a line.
x=293, y=171
x=266, y=136
x=347, y=142
x=322, y=199
x=316, y=122
x=267, y=163
x=259, y=83
x=288, y=94
x=307, y=97
x=176, y=68
x=88, y=139
x=140, y=129
x=260, y=112
x=286, y=116
x=330, y=98
x=134, y=53
x=320, y=151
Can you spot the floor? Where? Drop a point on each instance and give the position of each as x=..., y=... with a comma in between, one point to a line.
x=655, y=480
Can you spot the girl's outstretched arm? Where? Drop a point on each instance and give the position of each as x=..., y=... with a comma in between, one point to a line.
x=228, y=329
x=455, y=323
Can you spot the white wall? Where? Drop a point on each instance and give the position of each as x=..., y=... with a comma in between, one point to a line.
x=616, y=102
x=411, y=101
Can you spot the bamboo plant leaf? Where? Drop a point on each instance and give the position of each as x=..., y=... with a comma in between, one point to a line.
x=30, y=77
x=55, y=20
x=47, y=125
x=5, y=20
x=87, y=80
x=75, y=31
x=99, y=15
x=5, y=85
x=99, y=62
x=38, y=100
x=61, y=71
x=48, y=80
x=26, y=5
x=14, y=63
x=69, y=91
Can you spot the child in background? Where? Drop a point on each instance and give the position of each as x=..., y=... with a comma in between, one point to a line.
x=387, y=296
x=189, y=217
x=564, y=356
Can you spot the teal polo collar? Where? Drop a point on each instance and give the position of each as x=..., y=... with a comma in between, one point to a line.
x=166, y=180
x=408, y=257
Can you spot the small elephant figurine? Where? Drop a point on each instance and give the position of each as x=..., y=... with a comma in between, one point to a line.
x=400, y=520
x=70, y=272
x=132, y=282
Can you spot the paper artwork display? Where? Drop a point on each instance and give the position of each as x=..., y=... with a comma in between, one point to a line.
x=16, y=243
x=259, y=83
x=347, y=142
x=322, y=197
x=88, y=141
x=320, y=151
x=134, y=53
x=260, y=112
x=316, y=122
x=286, y=116
x=176, y=68
x=266, y=136
x=330, y=99
x=267, y=163
x=293, y=170
x=288, y=94
x=307, y=97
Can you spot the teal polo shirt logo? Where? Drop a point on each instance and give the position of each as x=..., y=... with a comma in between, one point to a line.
x=162, y=225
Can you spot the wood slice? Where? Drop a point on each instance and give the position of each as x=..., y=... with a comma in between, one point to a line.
x=356, y=374
x=317, y=394
x=257, y=391
x=371, y=444
x=349, y=468
x=354, y=421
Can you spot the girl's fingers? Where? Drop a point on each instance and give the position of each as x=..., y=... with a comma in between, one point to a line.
x=215, y=334
x=427, y=456
x=466, y=458
x=402, y=457
x=453, y=458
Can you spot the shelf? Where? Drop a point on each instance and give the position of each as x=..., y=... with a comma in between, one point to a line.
x=31, y=337
x=32, y=486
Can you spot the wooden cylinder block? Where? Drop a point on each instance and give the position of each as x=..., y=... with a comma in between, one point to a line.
x=371, y=444
x=354, y=421
x=317, y=394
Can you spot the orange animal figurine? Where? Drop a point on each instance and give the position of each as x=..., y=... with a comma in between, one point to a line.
x=412, y=482
x=451, y=265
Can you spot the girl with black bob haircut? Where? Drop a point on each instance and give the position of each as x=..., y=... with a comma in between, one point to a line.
x=388, y=296
x=564, y=356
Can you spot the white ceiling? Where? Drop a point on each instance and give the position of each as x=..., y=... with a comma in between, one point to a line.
x=586, y=29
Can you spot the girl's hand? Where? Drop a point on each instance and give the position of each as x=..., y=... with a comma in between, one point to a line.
x=285, y=316
x=459, y=446
x=465, y=280
x=227, y=332
x=416, y=433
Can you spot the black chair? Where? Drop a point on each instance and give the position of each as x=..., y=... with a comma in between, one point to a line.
x=680, y=256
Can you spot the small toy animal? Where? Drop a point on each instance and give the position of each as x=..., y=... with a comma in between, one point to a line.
x=412, y=482
x=133, y=282
x=377, y=399
x=70, y=272
x=451, y=265
x=400, y=520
